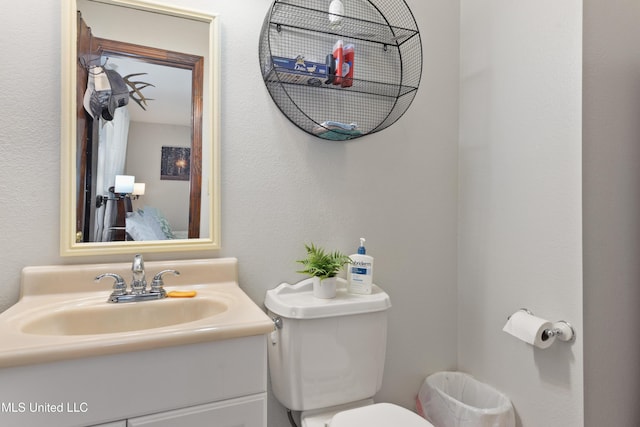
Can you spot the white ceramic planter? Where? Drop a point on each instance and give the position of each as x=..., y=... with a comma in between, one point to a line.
x=325, y=288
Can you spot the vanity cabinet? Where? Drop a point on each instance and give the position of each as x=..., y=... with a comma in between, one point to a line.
x=220, y=383
x=298, y=41
x=70, y=358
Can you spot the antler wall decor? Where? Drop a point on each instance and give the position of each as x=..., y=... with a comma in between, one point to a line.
x=136, y=88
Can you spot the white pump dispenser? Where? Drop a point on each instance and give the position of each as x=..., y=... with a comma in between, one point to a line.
x=360, y=272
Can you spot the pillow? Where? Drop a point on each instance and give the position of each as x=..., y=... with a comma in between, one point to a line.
x=138, y=228
x=160, y=220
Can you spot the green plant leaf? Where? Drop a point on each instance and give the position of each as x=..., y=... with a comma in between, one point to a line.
x=322, y=264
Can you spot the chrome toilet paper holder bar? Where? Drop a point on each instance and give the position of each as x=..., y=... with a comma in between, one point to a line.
x=561, y=329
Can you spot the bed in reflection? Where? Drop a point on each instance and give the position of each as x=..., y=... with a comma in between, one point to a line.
x=149, y=223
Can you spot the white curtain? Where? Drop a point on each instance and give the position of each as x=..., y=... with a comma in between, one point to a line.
x=112, y=154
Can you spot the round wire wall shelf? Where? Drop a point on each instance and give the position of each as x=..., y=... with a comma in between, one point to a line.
x=302, y=43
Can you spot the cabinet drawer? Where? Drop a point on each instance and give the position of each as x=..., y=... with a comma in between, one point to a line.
x=247, y=411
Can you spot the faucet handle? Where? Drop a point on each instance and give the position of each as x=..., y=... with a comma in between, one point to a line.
x=157, y=284
x=119, y=286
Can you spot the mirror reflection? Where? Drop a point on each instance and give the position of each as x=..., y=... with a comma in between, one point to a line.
x=141, y=108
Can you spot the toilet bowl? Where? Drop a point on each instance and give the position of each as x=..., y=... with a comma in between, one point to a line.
x=379, y=415
x=326, y=357
x=364, y=413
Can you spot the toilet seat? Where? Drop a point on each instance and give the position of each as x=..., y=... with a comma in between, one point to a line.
x=379, y=415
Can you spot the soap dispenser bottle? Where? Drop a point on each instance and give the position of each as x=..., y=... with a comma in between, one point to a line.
x=360, y=272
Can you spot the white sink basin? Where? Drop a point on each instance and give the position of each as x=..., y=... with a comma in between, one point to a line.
x=63, y=312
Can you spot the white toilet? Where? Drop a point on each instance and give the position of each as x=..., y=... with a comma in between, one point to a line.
x=326, y=357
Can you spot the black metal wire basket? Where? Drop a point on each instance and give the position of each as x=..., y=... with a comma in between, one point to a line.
x=302, y=44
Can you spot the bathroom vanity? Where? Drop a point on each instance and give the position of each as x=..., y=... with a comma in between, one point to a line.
x=205, y=367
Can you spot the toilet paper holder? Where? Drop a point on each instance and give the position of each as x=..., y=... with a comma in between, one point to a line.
x=561, y=329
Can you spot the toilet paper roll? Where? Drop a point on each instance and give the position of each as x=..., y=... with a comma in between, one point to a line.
x=529, y=328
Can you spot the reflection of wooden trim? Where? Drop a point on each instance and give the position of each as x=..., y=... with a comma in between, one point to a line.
x=82, y=125
x=186, y=61
x=148, y=54
x=196, y=150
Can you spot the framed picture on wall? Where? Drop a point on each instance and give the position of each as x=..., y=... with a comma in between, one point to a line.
x=175, y=163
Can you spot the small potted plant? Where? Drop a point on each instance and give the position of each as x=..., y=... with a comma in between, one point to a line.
x=323, y=266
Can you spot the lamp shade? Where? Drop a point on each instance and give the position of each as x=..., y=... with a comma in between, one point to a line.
x=124, y=184
x=138, y=189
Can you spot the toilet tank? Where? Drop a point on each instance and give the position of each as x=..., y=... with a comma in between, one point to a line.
x=326, y=352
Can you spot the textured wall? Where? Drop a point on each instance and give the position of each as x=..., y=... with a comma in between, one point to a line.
x=280, y=187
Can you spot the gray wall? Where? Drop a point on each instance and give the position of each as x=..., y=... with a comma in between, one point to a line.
x=520, y=235
x=611, y=146
x=399, y=188
x=280, y=187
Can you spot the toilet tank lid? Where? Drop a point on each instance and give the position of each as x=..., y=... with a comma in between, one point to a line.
x=297, y=301
x=379, y=415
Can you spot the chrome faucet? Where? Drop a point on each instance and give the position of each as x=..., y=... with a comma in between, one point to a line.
x=138, y=282
x=138, y=290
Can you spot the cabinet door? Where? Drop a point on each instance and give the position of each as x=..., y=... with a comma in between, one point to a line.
x=122, y=423
x=248, y=411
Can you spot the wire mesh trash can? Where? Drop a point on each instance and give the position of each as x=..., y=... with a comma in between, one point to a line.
x=456, y=399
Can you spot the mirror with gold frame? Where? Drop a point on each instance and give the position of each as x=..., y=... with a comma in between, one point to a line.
x=140, y=105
